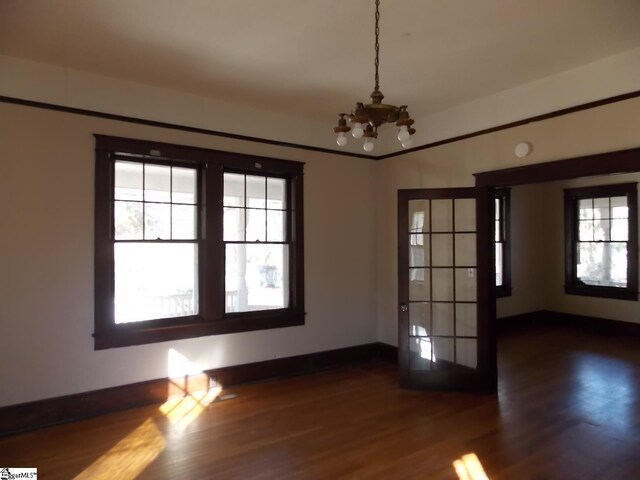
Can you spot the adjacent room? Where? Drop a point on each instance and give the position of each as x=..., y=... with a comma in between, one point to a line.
x=226, y=254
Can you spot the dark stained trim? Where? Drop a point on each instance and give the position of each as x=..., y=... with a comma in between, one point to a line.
x=572, y=285
x=518, y=123
x=549, y=318
x=504, y=194
x=173, y=126
x=387, y=353
x=621, y=161
x=53, y=411
x=204, y=131
x=211, y=319
x=600, y=325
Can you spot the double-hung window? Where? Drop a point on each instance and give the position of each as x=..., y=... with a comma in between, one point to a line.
x=155, y=241
x=502, y=241
x=601, y=234
x=192, y=242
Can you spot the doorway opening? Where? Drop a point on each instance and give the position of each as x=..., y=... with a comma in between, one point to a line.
x=552, y=179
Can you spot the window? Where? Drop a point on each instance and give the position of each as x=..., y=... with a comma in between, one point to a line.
x=502, y=199
x=601, y=232
x=192, y=242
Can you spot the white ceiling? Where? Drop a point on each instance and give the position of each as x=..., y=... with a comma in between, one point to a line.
x=314, y=59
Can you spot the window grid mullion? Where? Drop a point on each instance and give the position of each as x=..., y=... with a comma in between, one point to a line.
x=209, y=255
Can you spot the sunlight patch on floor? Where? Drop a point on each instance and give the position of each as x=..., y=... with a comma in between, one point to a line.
x=129, y=457
x=468, y=467
x=181, y=411
x=190, y=391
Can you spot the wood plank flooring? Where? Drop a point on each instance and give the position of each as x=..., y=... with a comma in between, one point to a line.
x=568, y=408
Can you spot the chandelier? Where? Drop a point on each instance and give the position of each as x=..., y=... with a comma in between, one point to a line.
x=366, y=118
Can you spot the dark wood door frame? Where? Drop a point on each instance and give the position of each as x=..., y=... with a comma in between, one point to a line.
x=620, y=161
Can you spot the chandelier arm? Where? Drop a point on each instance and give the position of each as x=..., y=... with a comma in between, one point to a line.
x=377, y=46
x=366, y=118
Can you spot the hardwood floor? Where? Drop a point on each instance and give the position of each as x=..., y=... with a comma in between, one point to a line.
x=568, y=408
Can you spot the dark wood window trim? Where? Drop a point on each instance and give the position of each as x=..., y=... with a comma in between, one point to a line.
x=573, y=286
x=503, y=195
x=211, y=319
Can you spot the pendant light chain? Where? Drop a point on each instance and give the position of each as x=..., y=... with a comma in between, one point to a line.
x=367, y=117
x=377, y=47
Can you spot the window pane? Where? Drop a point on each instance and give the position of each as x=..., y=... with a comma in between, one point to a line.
x=256, y=225
x=157, y=221
x=497, y=208
x=585, y=208
x=620, y=229
x=465, y=212
x=498, y=228
x=619, y=256
x=419, y=318
x=183, y=185
x=603, y=264
x=419, y=286
x=128, y=181
x=275, y=226
x=499, y=264
x=233, y=190
x=183, y=222
x=466, y=319
x=256, y=277
x=465, y=249
x=619, y=208
x=600, y=208
x=442, y=350
x=418, y=215
x=155, y=280
x=128, y=220
x=419, y=250
x=467, y=352
x=585, y=230
x=443, y=284
x=601, y=230
x=442, y=250
x=157, y=183
x=442, y=215
x=256, y=191
x=442, y=321
x=233, y=224
x=465, y=285
x=420, y=353
x=276, y=193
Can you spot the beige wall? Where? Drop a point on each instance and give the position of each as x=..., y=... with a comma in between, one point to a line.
x=46, y=220
x=538, y=254
x=532, y=215
x=46, y=265
x=608, y=128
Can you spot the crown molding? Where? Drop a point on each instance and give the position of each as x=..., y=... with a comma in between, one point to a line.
x=247, y=138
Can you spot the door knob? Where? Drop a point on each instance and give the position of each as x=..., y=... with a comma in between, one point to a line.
x=403, y=307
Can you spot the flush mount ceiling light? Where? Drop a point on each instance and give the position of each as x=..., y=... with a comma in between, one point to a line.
x=366, y=118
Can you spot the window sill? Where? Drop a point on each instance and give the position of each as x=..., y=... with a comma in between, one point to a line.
x=503, y=291
x=601, y=292
x=129, y=335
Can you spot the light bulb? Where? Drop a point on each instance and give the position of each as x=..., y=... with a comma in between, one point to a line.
x=357, y=131
x=368, y=145
x=403, y=133
x=342, y=139
x=408, y=143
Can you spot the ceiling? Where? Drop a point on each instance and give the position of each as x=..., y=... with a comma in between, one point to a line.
x=315, y=59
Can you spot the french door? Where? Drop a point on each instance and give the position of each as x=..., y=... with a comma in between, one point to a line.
x=445, y=284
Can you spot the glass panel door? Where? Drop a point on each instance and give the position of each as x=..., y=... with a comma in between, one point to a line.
x=442, y=345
